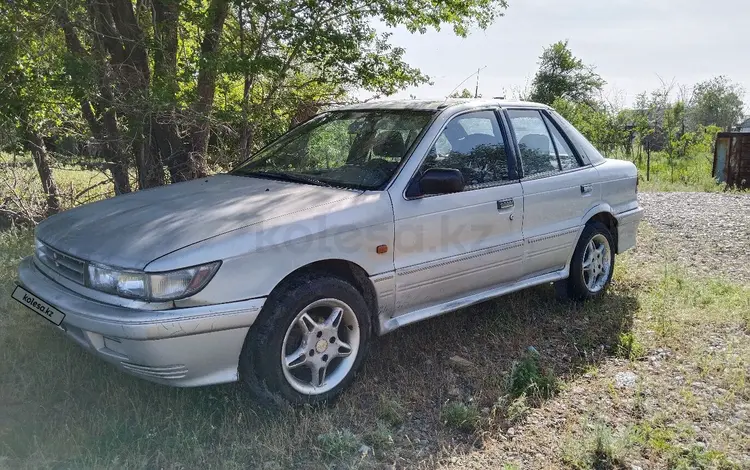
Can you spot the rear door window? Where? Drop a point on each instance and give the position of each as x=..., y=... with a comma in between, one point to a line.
x=534, y=142
x=565, y=154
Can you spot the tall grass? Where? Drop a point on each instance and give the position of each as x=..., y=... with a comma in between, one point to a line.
x=692, y=173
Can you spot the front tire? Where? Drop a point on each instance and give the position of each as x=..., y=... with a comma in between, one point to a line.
x=592, y=264
x=309, y=341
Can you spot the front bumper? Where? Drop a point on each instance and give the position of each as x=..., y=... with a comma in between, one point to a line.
x=627, y=228
x=182, y=347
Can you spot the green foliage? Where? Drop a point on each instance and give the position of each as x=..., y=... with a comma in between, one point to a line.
x=664, y=438
x=178, y=83
x=35, y=95
x=562, y=75
x=685, y=130
x=681, y=143
x=600, y=450
x=460, y=416
x=380, y=438
x=528, y=377
x=698, y=457
x=338, y=443
x=464, y=93
x=718, y=102
x=628, y=347
x=605, y=128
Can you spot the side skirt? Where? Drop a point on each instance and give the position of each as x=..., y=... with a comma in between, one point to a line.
x=456, y=304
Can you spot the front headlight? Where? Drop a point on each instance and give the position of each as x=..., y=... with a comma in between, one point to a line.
x=169, y=285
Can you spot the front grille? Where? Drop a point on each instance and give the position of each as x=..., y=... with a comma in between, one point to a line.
x=65, y=265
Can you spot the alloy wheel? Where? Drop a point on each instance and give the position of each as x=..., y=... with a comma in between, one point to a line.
x=320, y=346
x=597, y=263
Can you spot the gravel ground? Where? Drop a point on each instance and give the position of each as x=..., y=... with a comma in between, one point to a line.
x=707, y=233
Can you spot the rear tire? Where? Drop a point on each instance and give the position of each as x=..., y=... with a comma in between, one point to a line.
x=592, y=264
x=308, y=342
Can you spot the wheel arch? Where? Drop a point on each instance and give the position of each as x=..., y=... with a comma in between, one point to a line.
x=603, y=214
x=343, y=269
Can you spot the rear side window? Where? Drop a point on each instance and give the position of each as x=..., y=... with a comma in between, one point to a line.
x=584, y=147
x=534, y=141
x=565, y=154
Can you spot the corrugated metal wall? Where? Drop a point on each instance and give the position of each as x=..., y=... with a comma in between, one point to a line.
x=732, y=159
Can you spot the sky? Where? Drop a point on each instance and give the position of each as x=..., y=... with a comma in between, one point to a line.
x=631, y=44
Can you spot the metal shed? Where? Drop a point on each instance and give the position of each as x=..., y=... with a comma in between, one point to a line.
x=732, y=159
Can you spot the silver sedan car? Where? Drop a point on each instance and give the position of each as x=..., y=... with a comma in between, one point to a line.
x=360, y=221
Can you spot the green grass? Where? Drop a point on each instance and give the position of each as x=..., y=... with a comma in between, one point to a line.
x=601, y=449
x=60, y=407
x=528, y=377
x=692, y=173
x=517, y=410
x=460, y=416
x=338, y=443
x=629, y=347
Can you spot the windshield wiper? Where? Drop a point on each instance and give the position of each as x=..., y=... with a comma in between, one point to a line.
x=285, y=177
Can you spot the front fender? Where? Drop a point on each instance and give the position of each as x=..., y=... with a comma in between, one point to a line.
x=254, y=261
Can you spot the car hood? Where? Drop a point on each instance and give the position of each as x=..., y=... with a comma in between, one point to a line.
x=130, y=231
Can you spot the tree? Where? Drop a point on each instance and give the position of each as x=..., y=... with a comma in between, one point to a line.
x=562, y=75
x=31, y=74
x=465, y=93
x=172, y=87
x=718, y=102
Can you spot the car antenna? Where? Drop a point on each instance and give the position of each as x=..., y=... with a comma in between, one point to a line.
x=476, y=91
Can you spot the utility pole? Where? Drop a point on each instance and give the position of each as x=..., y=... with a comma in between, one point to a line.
x=476, y=89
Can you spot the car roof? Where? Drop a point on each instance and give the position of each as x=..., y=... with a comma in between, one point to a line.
x=434, y=105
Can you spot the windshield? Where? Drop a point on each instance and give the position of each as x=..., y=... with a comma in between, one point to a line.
x=351, y=149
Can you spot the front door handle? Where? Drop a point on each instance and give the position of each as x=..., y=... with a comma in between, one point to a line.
x=586, y=188
x=505, y=204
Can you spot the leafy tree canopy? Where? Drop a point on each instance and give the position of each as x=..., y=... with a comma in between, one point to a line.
x=562, y=75
x=169, y=88
x=717, y=101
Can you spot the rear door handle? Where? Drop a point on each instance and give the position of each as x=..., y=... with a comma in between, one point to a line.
x=586, y=188
x=505, y=204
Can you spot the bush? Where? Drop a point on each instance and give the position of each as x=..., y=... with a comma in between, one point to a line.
x=460, y=416
x=628, y=347
x=529, y=378
x=598, y=450
x=338, y=443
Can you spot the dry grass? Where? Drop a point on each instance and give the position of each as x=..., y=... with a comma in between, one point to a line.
x=62, y=408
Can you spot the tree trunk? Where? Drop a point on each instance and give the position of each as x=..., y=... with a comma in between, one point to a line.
x=105, y=130
x=41, y=160
x=195, y=166
x=164, y=124
x=119, y=162
x=246, y=132
x=134, y=84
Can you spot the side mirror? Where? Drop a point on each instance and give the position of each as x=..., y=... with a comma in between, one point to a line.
x=437, y=181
